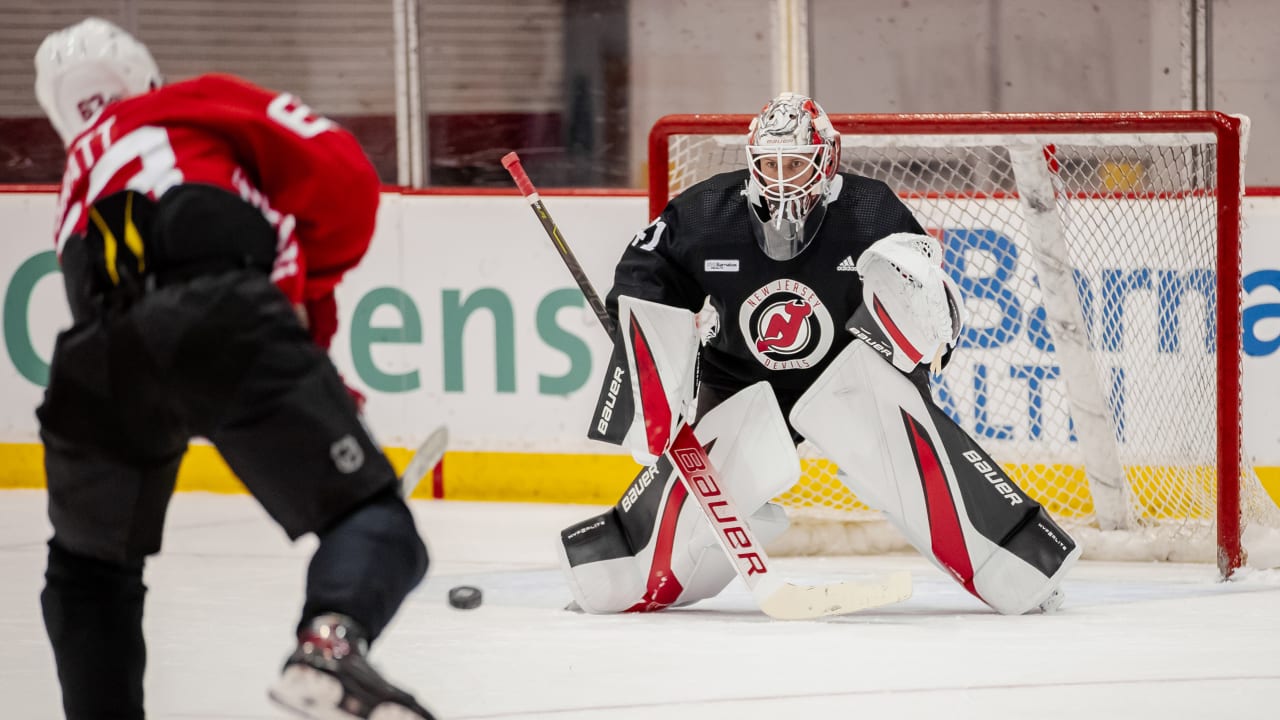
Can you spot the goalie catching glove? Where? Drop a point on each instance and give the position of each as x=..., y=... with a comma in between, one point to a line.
x=904, y=456
x=913, y=300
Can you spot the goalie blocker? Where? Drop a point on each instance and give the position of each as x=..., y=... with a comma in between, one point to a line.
x=946, y=495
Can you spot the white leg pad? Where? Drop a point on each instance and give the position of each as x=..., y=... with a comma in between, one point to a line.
x=954, y=504
x=649, y=552
x=712, y=571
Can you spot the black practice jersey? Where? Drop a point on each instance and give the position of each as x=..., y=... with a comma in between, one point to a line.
x=781, y=321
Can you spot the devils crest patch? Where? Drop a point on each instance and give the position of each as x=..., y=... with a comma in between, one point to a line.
x=786, y=325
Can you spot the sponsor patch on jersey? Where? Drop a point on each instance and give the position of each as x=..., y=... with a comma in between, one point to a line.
x=786, y=325
x=720, y=266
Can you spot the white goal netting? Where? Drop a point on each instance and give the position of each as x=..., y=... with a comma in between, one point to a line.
x=1099, y=261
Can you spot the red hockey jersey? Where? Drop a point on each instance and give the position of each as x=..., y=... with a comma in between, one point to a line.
x=308, y=177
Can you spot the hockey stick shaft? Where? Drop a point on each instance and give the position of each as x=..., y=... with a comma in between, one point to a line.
x=424, y=460
x=511, y=162
x=686, y=454
x=747, y=554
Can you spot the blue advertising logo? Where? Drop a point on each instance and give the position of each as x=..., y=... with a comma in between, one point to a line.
x=1255, y=346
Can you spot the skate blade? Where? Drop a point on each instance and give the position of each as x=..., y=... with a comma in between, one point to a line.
x=309, y=693
x=318, y=696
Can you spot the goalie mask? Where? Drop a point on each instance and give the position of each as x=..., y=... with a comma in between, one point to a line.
x=793, y=153
x=85, y=67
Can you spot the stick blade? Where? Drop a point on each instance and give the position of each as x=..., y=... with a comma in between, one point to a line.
x=427, y=456
x=806, y=602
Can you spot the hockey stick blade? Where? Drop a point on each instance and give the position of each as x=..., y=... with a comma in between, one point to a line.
x=805, y=602
x=427, y=456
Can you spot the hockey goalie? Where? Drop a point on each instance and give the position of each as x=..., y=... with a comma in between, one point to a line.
x=781, y=302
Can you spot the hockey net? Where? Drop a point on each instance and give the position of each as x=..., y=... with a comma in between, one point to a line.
x=1099, y=257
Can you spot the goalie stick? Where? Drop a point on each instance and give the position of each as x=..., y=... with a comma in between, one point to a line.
x=776, y=597
x=425, y=458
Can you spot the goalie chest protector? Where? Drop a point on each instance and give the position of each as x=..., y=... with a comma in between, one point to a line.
x=780, y=321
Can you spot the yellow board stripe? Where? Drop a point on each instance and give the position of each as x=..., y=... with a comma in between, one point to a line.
x=593, y=479
x=508, y=477
x=1161, y=492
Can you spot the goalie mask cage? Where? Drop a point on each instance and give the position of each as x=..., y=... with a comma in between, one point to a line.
x=1099, y=257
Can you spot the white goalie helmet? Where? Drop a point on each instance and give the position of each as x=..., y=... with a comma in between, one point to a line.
x=793, y=153
x=85, y=67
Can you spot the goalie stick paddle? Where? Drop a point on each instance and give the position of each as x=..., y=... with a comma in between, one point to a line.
x=776, y=597
x=424, y=459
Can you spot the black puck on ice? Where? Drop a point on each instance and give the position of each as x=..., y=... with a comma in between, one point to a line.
x=465, y=597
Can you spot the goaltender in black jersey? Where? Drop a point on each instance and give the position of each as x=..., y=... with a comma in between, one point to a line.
x=738, y=309
x=782, y=289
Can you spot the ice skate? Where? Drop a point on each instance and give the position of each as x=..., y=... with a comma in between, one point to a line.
x=329, y=678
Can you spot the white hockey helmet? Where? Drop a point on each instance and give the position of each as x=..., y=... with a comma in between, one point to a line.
x=793, y=153
x=85, y=67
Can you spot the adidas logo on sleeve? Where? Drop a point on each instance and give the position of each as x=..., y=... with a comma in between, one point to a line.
x=847, y=265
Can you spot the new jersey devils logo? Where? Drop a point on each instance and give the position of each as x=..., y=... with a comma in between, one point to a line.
x=786, y=325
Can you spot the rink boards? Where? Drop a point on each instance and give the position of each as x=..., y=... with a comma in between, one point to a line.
x=463, y=315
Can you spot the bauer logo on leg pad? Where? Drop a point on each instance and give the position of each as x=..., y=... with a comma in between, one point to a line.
x=994, y=476
x=640, y=484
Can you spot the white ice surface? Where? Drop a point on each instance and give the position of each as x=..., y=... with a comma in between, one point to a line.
x=1133, y=641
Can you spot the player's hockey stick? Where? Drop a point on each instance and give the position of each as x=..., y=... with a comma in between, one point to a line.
x=776, y=597
x=428, y=455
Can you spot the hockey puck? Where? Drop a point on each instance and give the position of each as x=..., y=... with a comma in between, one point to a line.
x=465, y=597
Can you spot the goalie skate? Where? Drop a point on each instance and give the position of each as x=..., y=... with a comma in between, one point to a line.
x=329, y=678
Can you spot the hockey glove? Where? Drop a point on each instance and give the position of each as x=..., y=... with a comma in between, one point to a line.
x=661, y=344
x=911, y=297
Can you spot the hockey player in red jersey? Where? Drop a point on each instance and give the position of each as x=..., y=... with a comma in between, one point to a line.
x=202, y=228
x=811, y=303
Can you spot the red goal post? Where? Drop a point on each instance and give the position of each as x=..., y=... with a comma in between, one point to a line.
x=1169, y=183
